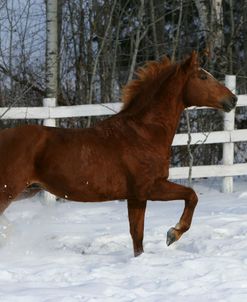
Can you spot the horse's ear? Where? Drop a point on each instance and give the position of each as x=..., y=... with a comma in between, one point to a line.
x=166, y=61
x=205, y=56
x=191, y=64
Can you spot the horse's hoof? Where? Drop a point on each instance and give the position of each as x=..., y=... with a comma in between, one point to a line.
x=171, y=237
x=138, y=253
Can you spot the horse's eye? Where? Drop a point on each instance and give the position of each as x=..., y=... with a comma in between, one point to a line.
x=203, y=76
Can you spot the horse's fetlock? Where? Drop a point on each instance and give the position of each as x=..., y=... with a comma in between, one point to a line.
x=182, y=227
x=185, y=227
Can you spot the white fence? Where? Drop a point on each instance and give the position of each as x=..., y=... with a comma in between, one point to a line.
x=228, y=136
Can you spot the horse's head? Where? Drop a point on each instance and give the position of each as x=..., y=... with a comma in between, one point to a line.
x=202, y=89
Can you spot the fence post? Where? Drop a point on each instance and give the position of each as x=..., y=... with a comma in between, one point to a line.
x=49, y=102
x=228, y=148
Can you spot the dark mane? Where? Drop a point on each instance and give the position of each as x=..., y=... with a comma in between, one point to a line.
x=149, y=79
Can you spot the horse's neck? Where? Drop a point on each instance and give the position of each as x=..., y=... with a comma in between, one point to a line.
x=161, y=108
x=165, y=113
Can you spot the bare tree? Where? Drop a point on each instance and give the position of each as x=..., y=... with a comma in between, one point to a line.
x=19, y=32
x=245, y=34
x=178, y=30
x=139, y=35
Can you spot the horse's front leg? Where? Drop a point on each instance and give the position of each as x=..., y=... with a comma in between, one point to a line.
x=136, y=212
x=164, y=190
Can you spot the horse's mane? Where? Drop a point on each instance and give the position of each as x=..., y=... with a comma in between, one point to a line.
x=149, y=79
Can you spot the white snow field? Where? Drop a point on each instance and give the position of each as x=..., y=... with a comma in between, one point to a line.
x=73, y=252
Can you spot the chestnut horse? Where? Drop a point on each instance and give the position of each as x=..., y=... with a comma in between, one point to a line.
x=124, y=157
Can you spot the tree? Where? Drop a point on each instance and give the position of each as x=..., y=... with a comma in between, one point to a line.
x=52, y=48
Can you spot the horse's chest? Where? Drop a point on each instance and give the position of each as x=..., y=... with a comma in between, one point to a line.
x=144, y=172
x=148, y=168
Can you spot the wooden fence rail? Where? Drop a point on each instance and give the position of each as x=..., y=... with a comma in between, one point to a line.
x=228, y=136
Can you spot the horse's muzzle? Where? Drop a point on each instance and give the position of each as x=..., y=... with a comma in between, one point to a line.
x=230, y=103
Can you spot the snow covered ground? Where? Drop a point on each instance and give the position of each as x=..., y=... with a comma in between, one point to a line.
x=73, y=252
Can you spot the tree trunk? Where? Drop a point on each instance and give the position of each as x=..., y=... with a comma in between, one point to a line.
x=203, y=13
x=217, y=24
x=231, y=43
x=140, y=33
x=176, y=39
x=52, y=49
x=245, y=35
x=211, y=23
x=153, y=23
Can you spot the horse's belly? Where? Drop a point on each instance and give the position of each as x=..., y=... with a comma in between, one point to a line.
x=86, y=186
x=90, y=192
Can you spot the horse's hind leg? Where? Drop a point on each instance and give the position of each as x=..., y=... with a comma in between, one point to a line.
x=3, y=205
x=10, y=192
x=164, y=191
x=136, y=212
x=4, y=222
x=5, y=229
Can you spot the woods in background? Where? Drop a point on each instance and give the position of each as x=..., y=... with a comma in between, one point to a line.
x=101, y=43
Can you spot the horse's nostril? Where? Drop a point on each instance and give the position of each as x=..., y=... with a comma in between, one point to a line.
x=234, y=100
x=230, y=103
